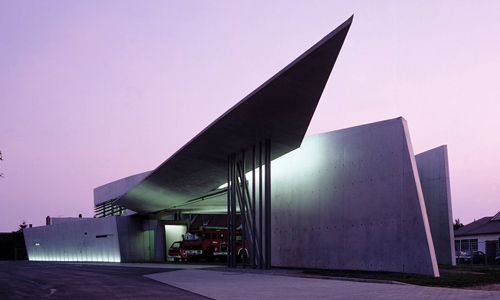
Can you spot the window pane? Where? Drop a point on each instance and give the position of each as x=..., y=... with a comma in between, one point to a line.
x=464, y=245
x=474, y=245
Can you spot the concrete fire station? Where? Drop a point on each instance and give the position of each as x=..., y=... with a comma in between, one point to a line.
x=357, y=198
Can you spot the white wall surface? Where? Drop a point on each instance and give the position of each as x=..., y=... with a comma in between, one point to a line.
x=351, y=199
x=75, y=241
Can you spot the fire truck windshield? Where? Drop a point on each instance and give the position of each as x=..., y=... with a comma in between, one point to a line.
x=192, y=236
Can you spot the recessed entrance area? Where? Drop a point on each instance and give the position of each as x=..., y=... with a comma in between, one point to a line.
x=173, y=233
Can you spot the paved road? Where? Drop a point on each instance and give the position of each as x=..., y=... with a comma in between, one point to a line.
x=37, y=280
x=262, y=286
x=52, y=280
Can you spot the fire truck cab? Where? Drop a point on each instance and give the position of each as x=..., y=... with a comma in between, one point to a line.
x=204, y=243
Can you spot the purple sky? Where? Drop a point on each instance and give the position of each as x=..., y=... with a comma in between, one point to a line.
x=94, y=91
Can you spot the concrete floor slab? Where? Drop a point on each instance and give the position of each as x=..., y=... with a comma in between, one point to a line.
x=239, y=285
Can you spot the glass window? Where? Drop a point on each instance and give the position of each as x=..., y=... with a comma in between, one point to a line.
x=193, y=236
x=464, y=245
x=473, y=244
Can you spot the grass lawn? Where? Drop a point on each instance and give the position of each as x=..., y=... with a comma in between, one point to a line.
x=461, y=276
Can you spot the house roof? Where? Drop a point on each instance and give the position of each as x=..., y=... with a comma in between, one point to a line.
x=279, y=110
x=486, y=225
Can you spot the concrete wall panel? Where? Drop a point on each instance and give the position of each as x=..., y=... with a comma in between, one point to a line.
x=435, y=181
x=349, y=199
x=131, y=239
x=86, y=240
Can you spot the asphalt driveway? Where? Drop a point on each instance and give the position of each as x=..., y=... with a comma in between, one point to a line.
x=52, y=280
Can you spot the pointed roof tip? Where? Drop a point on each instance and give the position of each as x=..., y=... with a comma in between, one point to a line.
x=349, y=20
x=195, y=169
x=342, y=27
x=347, y=23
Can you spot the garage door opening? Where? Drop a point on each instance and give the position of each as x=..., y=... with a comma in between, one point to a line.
x=173, y=233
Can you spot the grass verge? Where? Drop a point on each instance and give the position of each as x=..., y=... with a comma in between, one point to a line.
x=462, y=276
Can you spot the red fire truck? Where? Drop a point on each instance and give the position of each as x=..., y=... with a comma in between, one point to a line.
x=209, y=243
x=176, y=251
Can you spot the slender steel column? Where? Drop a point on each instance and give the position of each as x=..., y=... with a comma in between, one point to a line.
x=239, y=196
x=268, y=203
x=256, y=236
x=233, y=211
x=261, y=253
x=228, y=216
x=254, y=228
x=243, y=211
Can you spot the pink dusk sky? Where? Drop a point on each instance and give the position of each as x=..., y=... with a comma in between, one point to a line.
x=94, y=91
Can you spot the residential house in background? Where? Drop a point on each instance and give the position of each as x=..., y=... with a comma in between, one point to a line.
x=481, y=235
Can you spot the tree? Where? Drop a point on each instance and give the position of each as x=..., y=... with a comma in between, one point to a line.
x=22, y=226
x=457, y=224
x=13, y=246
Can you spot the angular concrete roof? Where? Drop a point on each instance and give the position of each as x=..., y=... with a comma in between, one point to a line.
x=280, y=110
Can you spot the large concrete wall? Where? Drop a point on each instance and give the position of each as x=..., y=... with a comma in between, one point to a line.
x=131, y=239
x=117, y=188
x=435, y=181
x=86, y=240
x=351, y=199
x=110, y=239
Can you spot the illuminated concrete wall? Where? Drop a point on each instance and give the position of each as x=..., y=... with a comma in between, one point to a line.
x=111, y=239
x=351, y=199
x=87, y=240
x=131, y=238
x=435, y=181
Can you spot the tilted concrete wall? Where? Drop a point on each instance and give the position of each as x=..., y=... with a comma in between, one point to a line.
x=351, y=199
x=435, y=181
x=117, y=188
x=131, y=238
x=74, y=241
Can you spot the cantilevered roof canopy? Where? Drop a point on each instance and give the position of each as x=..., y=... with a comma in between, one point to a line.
x=280, y=110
